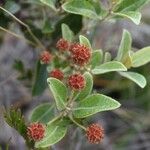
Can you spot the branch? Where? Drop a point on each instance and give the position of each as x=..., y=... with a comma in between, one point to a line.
x=27, y=27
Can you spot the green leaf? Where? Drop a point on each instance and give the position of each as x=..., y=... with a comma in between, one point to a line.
x=93, y=104
x=67, y=34
x=100, y=10
x=133, y=15
x=81, y=7
x=88, y=87
x=43, y=113
x=97, y=57
x=59, y=92
x=85, y=41
x=141, y=57
x=136, y=77
x=125, y=46
x=53, y=134
x=50, y=3
x=130, y=5
x=107, y=57
x=40, y=83
x=109, y=67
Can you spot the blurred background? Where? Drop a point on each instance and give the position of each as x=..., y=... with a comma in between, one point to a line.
x=127, y=128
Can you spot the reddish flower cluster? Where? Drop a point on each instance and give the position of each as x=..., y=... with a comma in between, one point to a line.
x=80, y=54
x=95, y=133
x=45, y=57
x=73, y=47
x=76, y=82
x=62, y=45
x=56, y=73
x=36, y=131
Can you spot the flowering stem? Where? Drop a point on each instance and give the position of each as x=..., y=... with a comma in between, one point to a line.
x=75, y=122
x=27, y=27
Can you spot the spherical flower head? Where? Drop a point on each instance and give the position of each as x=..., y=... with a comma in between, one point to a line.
x=62, y=45
x=45, y=57
x=94, y=133
x=80, y=54
x=35, y=131
x=73, y=47
x=56, y=73
x=76, y=82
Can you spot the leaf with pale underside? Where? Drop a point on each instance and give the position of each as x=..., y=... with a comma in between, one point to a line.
x=85, y=41
x=87, y=89
x=42, y=113
x=93, y=104
x=55, y=131
x=59, y=91
x=132, y=15
x=125, y=46
x=67, y=34
x=97, y=57
x=141, y=57
x=49, y=3
x=109, y=67
x=81, y=7
x=135, y=77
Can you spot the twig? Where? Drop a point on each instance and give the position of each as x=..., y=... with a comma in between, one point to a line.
x=27, y=27
x=17, y=36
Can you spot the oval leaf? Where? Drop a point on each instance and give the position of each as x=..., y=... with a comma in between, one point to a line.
x=50, y=3
x=130, y=5
x=125, y=46
x=53, y=134
x=141, y=57
x=85, y=41
x=43, y=113
x=88, y=87
x=93, y=104
x=133, y=15
x=81, y=7
x=109, y=67
x=136, y=77
x=97, y=57
x=67, y=34
x=59, y=92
